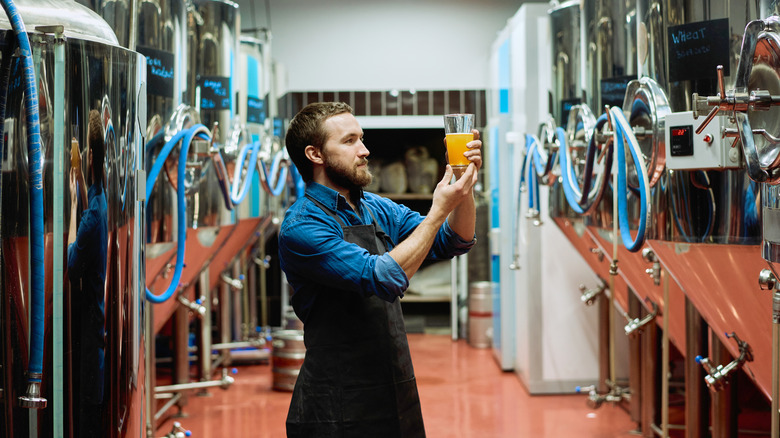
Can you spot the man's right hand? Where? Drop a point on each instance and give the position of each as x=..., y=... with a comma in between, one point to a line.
x=447, y=196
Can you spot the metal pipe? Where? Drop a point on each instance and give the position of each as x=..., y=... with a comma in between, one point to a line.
x=665, y=359
x=174, y=399
x=204, y=339
x=696, y=395
x=223, y=383
x=635, y=361
x=258, y=343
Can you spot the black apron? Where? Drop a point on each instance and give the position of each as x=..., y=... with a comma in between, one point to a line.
x=357, y=378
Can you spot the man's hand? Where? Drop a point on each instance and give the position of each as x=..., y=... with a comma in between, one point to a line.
x=447, y=196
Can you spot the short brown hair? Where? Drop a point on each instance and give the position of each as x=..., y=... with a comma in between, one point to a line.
x=306, y=129
x=96, y=139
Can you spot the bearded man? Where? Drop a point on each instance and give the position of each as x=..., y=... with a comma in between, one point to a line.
x=348, y=256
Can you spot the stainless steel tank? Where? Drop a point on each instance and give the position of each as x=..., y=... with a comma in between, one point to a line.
x=214, y=34
x=567, y=86
x=93, y=355
x=708, y=234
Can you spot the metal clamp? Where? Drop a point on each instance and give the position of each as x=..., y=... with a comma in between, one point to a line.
x=635, y=326
x=589, y=295
x=716, y=376
x=655, y=272
x=32, y=398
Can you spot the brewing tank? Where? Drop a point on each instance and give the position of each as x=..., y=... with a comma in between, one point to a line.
x=92, y=103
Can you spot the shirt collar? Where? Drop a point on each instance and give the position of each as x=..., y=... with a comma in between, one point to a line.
x=327, y=196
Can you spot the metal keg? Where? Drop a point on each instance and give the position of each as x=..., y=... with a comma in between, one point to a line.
x=286, y=358
x=481, y=314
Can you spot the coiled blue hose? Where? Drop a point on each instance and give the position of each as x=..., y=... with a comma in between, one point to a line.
x=37, y=285
x=532, y=157
x=277, y=172
x=622, y=134
x=186, y=137
x=573, y=195
x=235, y=196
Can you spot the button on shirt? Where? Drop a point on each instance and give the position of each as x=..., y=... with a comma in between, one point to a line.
x=314, y=254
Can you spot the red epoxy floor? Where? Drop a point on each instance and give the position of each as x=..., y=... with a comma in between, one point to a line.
x=463, y=393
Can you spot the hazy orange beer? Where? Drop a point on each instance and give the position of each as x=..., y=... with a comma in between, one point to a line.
x=457, y=128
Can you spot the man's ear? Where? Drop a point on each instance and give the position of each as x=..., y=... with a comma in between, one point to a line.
x=314, y=154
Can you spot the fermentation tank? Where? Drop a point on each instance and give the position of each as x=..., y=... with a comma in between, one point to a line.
x=93, y=366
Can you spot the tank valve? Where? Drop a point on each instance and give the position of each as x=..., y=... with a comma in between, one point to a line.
x=635, y=326
x=716, y=376
x=589, y=295
x=178, y=432
x=196, y=306
x=615, y=395
x=655, y=272
x=236, y=284
x=264, y=263
x=32, y=398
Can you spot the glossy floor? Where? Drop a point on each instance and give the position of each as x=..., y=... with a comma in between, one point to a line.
x=463, y=394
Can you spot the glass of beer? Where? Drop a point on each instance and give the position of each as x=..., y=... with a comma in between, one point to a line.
x=457, y=128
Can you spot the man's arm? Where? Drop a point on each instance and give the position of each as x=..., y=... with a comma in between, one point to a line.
x=453, y=200
x=410, y=253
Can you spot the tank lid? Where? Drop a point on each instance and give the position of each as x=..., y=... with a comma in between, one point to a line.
x=79, y=21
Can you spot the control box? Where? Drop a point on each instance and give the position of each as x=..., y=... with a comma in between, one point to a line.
x=709, y=150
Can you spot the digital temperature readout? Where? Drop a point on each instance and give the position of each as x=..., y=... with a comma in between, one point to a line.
x=681, y=140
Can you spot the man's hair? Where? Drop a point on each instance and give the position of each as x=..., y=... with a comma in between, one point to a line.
x=306, y=128
x=96, y=142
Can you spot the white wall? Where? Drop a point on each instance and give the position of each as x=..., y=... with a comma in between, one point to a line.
x=333, y=45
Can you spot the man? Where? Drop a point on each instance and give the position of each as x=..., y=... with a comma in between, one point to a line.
x=87, y=256
x=348, y=256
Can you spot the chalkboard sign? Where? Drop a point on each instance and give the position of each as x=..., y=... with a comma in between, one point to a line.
x=697, y=49
x=613, y=92
x=159, y=71
x=214, y=92
x=255, y=110
x=566, y=105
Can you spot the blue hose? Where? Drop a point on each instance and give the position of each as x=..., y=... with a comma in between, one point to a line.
x=567, y=174
x=235, y=196
x=186, y=137
x=277, y=172
x=298, y=182
x=38, y=291
x=623, y=131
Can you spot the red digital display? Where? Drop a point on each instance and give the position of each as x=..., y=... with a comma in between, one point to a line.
x=677, y=132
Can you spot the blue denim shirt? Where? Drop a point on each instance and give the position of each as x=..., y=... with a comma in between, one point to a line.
x=314, y=255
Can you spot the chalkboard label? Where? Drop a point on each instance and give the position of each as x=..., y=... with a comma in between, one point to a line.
x=697, y=49
x=566, y=105
x=255, y=110
x=214, y=92
x=159, y=71
x=613, y=91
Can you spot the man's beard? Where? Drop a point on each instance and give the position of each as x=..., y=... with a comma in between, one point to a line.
x=353, y=179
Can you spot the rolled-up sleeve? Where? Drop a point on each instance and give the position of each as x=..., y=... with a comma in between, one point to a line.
x=313, y=251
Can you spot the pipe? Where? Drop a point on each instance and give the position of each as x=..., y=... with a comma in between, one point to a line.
x=665, y=361
x=33, y=399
